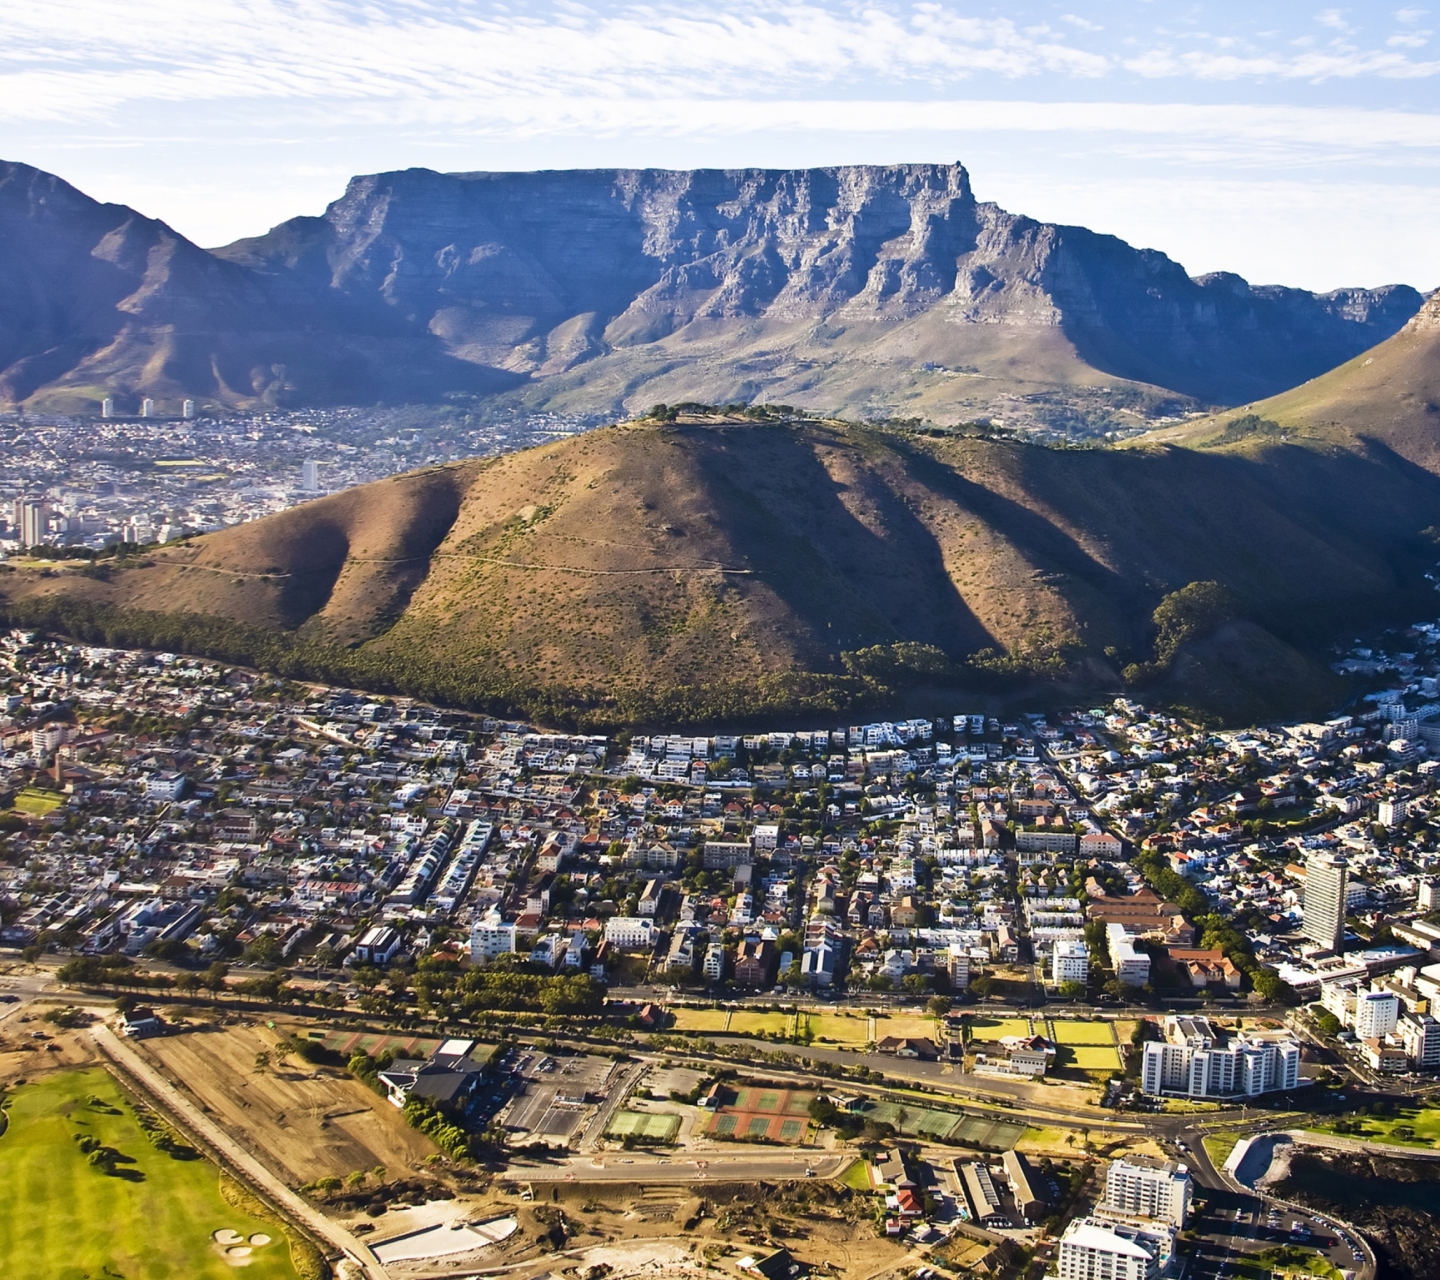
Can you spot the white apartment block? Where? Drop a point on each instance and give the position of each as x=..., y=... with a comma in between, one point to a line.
x=630, y=932
x=1377, y=1013
x=1141, y=1187
x=491, y=937
x=1132, y=967
x=1194, y=1061
x=1089, y=1251
x=1069, y=962
x=1420, y=1034
x=714, y=964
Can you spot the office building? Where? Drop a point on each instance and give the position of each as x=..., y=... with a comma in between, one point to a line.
x=310, y=475
x=107, y=408
x=1143, y=1187
x=187, y=409
x=1197, y=1061
x=1327, y=877
x=147, y=408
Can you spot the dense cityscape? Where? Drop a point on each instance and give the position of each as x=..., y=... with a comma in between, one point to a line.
x=92, y=483
x=1256, y=908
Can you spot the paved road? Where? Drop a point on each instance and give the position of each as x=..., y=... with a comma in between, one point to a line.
x=192, y=1118
x=711, y=1167
x=22, y=988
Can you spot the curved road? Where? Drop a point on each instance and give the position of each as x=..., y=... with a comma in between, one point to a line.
x=176, y=1104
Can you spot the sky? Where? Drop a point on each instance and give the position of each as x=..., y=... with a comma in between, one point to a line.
x=1291, y=143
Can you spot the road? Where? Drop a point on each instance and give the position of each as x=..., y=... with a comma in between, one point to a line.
x=747, y=1167
x=19, y=989
x=175, y=1104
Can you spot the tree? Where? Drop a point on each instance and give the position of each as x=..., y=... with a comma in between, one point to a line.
x=1071, y=990
x=938, y=1006
x=983, y=986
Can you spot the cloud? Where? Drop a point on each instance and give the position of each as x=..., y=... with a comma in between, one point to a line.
x=91, y=59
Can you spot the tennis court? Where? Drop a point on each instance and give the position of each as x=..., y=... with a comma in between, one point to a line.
x=749, y=1112
x=944, y=1126
x=350, y=1043
x=646, y=1126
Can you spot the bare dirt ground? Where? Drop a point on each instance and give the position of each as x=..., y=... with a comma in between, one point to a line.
x=23, y=1056
x=305, y=1122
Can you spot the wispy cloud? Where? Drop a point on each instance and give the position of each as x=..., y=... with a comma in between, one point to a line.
x=70, y=59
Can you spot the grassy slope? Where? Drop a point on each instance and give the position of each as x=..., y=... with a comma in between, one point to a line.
x=710, y=555
x=60, y=1219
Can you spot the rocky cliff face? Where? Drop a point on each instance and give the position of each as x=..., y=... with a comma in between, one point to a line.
x=856, y=289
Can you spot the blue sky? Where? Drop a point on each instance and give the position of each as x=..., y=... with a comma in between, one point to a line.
x=1293, y=143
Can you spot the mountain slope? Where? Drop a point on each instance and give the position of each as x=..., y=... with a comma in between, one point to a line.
x=865, y=290
x=715, y=567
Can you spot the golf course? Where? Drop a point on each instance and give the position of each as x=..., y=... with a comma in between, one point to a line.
x=89, y=1194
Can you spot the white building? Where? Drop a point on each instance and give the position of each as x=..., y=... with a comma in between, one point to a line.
x=491, y=937
x=1069, y=962
x=630, y=932
x=165, y=786
x=1196, y=1061
x=1376, y=1014
x=713, y=966
x=767, y=835
x=1420, y=1034
x=1132, y=967
x=1392, y=813
x=1089, y=1251
x=1143, y=1187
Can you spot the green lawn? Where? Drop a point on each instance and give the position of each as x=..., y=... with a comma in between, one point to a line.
x=153, y=1219
x=1218, y=1146
x=1423, y=1123
x=1090, y=1057
x=994, y=1028
x=37, y=803
x=644, y=1124
x=753, y=1024
x=841, y=1028
x=1080, y=1033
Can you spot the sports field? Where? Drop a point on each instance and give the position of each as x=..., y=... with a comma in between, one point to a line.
x=994, y=1028
x=700, y=1019
x=37, y=803
x=1077, y=1032
x=349, y=1043
x=753, y=1024
x=154, y=1218
x=840, y=1028
x=947, y=1126
x=916, y=1026
x=646, y=1125
x=1090, y=1057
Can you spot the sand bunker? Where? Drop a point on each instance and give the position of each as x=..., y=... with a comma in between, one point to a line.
x=259, y=1239
x=226, y=1236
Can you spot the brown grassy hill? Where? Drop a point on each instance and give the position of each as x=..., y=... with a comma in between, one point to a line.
x=1386, y=399
x=716, y=568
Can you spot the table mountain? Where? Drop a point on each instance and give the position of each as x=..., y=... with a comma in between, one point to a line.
x=868, y=291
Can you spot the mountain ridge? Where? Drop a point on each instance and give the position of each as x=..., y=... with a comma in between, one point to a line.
x=862, y=290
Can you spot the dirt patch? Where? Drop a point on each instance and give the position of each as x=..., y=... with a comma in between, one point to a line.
x=307, y=1122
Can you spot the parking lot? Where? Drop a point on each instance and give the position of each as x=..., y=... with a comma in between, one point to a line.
x=555, y=1094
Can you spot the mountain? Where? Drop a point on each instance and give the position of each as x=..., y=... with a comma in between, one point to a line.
x=720, y=567
x=866, y=291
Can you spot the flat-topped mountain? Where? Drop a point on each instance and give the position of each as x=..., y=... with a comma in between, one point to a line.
x=863, y=291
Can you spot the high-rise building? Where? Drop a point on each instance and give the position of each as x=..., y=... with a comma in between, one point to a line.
x=32, y=521
x=107, y=408
x=1143, y=1187
x=1392, y=812
x=310, y=475
x=1326, y=881
x=187, y=409
x=147, y=408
